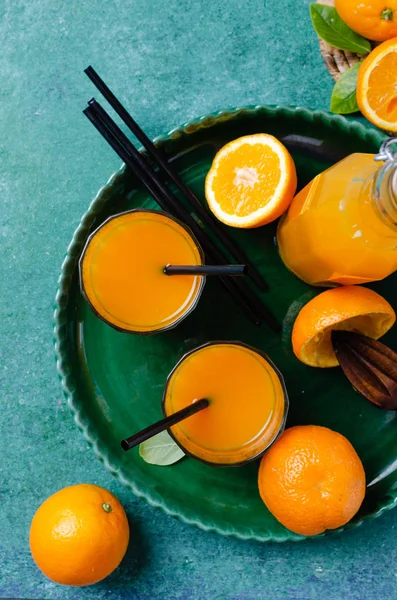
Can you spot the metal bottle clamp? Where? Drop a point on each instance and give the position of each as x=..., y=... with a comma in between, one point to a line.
x=386, y=151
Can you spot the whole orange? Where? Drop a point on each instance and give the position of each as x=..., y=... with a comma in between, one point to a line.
x=79, y=535
x=312, y=479
x=374, y=19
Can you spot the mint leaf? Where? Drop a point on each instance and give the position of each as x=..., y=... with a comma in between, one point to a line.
x=160, y=450
x=330, y=27
x=343, y=99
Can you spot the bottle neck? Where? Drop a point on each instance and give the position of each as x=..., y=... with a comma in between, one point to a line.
x=384, y=193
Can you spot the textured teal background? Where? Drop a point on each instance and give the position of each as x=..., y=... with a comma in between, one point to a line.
x=169, y=61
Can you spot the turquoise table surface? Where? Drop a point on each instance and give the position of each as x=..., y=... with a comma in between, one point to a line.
x=169, y=61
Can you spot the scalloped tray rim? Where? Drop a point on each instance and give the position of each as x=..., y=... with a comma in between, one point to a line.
x=60, y=322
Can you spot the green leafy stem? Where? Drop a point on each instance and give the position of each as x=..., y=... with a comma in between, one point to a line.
x=334, y=31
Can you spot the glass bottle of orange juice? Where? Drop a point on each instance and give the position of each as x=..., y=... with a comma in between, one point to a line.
x=342, y=227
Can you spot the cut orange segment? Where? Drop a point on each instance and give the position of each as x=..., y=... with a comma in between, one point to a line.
x=377, y=86
x=351, y=308
x=251, y=182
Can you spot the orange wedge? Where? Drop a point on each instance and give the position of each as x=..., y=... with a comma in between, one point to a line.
x=377, y=86
x=351, y=308
x=251, y=182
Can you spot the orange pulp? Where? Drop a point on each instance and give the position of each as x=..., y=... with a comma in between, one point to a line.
x=122, y=271
x=247, y=400
x=333, y=233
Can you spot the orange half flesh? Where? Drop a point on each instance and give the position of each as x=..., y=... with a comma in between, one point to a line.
x=377, y=86
x=251, y=182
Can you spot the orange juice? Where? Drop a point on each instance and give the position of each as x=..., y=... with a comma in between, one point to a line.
x=341, y=228
x=248, y=403
x=122, y=271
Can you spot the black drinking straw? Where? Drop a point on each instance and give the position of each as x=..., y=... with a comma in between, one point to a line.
x=168, y=171
x=241, y=292
x=218, y=270
x=240, y=296
x=164, y=424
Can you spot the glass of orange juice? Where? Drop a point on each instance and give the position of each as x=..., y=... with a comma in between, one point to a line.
x=122, y=271
x=248, y=403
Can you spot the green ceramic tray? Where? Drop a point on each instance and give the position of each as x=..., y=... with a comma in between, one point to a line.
x=114, y=381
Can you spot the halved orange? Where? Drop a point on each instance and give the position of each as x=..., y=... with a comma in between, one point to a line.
x=377, y=86
x=251, y=182
x=351, y=308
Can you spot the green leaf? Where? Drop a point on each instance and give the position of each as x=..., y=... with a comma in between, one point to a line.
x=160, y=450
x=330, y=27
x=343, y=99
